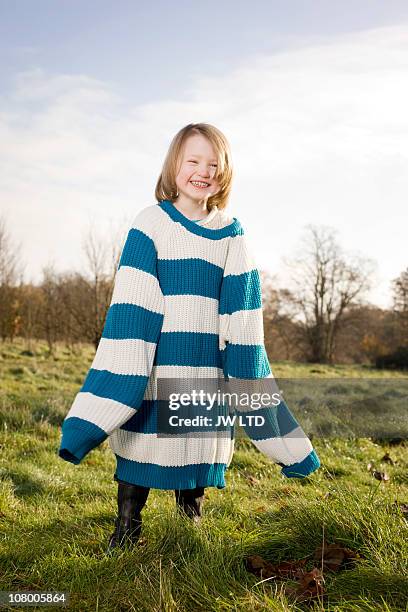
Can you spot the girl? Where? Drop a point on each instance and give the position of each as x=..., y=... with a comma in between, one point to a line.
x=186, y=303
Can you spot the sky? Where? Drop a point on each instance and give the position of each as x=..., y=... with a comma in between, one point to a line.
x=312, y=96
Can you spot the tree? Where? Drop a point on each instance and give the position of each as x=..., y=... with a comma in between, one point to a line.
x=271, y=315
x=52, y=314
x=400, y=305
x=102, y=277
x=32, y=299
x=326, y=284
x=10, y=274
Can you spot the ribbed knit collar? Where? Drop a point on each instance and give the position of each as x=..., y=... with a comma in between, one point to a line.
x=201, y=229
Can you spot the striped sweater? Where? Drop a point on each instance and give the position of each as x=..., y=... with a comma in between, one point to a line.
x=186, y=303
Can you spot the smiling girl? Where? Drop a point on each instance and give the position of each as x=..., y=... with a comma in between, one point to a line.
x=186, y=304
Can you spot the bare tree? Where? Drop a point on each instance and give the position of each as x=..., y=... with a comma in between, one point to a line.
x=11, y=271
x=102, y=267
x=86, y=296
x=400, y=305
x=269, y=294
x=327, y=283
x=76, y=294
x=287, y=326
x=278, y=326
x=52, y=307
x=32, y=300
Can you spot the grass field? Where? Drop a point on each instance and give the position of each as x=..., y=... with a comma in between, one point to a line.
x=56, y=518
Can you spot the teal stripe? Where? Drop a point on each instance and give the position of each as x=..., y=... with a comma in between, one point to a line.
x=78, y=438
x=303, y=468
x=232, y=229
x=240, y=292
x=162, y=477
x=128, y=389
x=246, y=360
x=188, y=349
x=189, y=276
x=130, y=321
x=139, y=252
x=279, y=421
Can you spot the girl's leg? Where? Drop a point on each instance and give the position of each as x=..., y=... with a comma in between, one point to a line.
x=128, y=524
x=190, y=502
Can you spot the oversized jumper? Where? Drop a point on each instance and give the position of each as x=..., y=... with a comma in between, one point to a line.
x=186, y=304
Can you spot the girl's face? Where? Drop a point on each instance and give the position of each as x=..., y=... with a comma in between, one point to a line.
x=198, y=163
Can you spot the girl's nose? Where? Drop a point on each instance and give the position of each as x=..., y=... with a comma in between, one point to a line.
x=204, y=172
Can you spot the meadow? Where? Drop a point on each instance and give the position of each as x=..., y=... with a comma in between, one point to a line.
x=344, y=528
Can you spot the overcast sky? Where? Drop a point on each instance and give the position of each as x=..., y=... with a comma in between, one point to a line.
x=312, y=96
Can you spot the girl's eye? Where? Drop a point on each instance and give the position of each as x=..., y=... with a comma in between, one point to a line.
x=192, y=161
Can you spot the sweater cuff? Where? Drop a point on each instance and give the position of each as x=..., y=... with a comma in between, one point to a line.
x=78, y=438
x=303, y=468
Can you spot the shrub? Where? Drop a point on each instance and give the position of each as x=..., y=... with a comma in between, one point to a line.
x=398, y=360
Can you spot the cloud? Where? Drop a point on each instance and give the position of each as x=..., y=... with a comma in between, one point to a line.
x=318, y=134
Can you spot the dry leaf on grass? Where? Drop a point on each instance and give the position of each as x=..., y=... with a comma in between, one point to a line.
x=376, y=473
x=381, y=476
x=310, y=585
x=388, y=459
x=252, y=480
x=264, y=569
x=334, y=556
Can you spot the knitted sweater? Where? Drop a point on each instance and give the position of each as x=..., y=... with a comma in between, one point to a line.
x=186, y=303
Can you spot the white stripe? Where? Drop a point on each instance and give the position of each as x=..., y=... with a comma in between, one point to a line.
x=169, y=371
x=242, y=327
x=229, y=459
x=200, y=247
x=224, y=330
x=270, y=375
x=240, y=258
x=186, y=379
x=160, y=389
x=156, y=223
x=146, y=220
x=289, y=449
x=189, y=245
x=191, y=313
x=134, y=286
x=128, y=356
x=104, y=412
x=177, y=451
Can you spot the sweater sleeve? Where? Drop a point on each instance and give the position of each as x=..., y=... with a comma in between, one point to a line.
x=244, y=356
x=114, y=387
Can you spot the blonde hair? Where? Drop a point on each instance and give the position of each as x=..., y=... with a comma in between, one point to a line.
x=166, y=188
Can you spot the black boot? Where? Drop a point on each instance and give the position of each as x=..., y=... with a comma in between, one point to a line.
x=190, y=502
x=128, y=524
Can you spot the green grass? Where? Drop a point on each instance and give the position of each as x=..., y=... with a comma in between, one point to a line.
x=56, y=518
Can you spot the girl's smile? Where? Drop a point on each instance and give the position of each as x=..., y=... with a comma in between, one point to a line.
x=199, y=185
